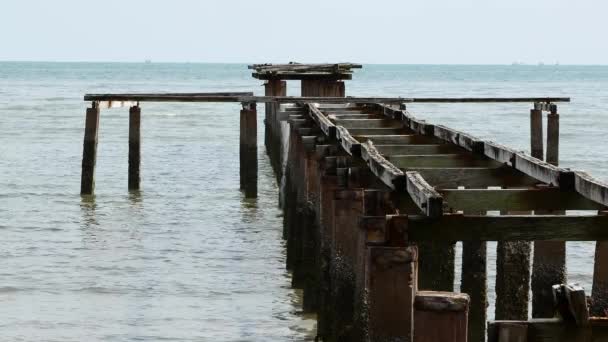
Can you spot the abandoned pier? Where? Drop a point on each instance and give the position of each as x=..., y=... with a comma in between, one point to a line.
x=375, y=199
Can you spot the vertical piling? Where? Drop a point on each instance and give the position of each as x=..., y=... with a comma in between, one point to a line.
x=553, y=136
x=134, y=147
x=436, y=265
x=474, y=282
x=536, y=133
x=549, y=263
x=272, y=124
x=441, y=316
x=599, y=292
x=512, y=280
x=89, y=152
x=248, y=151
x=391, y=277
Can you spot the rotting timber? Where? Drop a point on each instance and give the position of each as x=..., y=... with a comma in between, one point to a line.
x=374, y=200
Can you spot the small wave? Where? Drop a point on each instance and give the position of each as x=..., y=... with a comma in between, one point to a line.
x=8, y=289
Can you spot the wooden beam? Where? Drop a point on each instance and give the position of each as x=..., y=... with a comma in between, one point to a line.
x=440, y=160
x=396, y=139
x=426, y=198
x=481, y=200
x=489, y=99
x=368, y=123
x=591, y=188
x=350, y=144
x=386, y=172
x=508, y=228
x=473, y=177
x=322, y=121
x=458, y=138
x=554, y=330
x=544, y=172
x=302, y=76
x=377, y=131
x=422, y=149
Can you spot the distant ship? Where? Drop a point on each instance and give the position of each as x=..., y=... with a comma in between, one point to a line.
x=148, y=61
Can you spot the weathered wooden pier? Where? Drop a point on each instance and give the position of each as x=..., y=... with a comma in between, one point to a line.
x=375, y=199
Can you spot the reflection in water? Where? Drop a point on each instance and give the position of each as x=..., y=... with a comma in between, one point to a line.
x=88, y=207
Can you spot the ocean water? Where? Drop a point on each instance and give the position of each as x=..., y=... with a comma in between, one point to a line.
x=188, y=258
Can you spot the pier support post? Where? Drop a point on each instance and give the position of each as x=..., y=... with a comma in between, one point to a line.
x=553, y=136
x=248, y=151
x=549, y=263
x=599, y=292
x=89, y=152
x=391, y=276
x=436, y=265
x=441, y=316
x=536, y=133
x=474, y=282
x=134, y=147
x=512, y=280
x=272, y=124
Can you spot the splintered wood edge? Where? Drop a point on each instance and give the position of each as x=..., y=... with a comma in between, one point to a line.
x=438, y=301
x=385, y=170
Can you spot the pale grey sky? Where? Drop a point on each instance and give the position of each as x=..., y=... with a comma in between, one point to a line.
x=380, y=31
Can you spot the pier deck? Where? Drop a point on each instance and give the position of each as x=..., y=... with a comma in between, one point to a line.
x=375, y=198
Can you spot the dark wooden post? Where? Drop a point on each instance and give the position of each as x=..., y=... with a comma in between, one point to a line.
x=272, y=125
x=549, y=264
x=441, y=316
x=599, y=292
x=89, y=152
x=134, y=147
x=536, y=132
x=512, y=280
x=436, y=265
x=474, y=282
x=553, y=136
x=391, y=274
x=248, y=152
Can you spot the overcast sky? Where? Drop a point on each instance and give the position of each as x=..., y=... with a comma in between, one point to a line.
x=380, y=31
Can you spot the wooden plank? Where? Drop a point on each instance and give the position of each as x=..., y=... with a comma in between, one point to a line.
x=455, y=227
x=426, y=198
x=488, y=99
x=197, y=97
x=384, y=170
x=480, y=200
x=461, y=139
x=302, y=76
x=322, y=121
x=544, y=172
x=350, y=145
x=397, y=139
x=555, y=330
x=473, y=177
x=591, y=188
x=440, y=160
x=500, y=153
x=377, y=131
x=368, y=123
x=337, y=116
x=421, y=149
x=440, y=316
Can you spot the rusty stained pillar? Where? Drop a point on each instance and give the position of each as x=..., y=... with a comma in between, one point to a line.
x=272, y=124
x=89, y=151
x=248, y=151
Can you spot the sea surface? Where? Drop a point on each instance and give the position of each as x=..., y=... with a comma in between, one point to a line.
x=187, y=258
